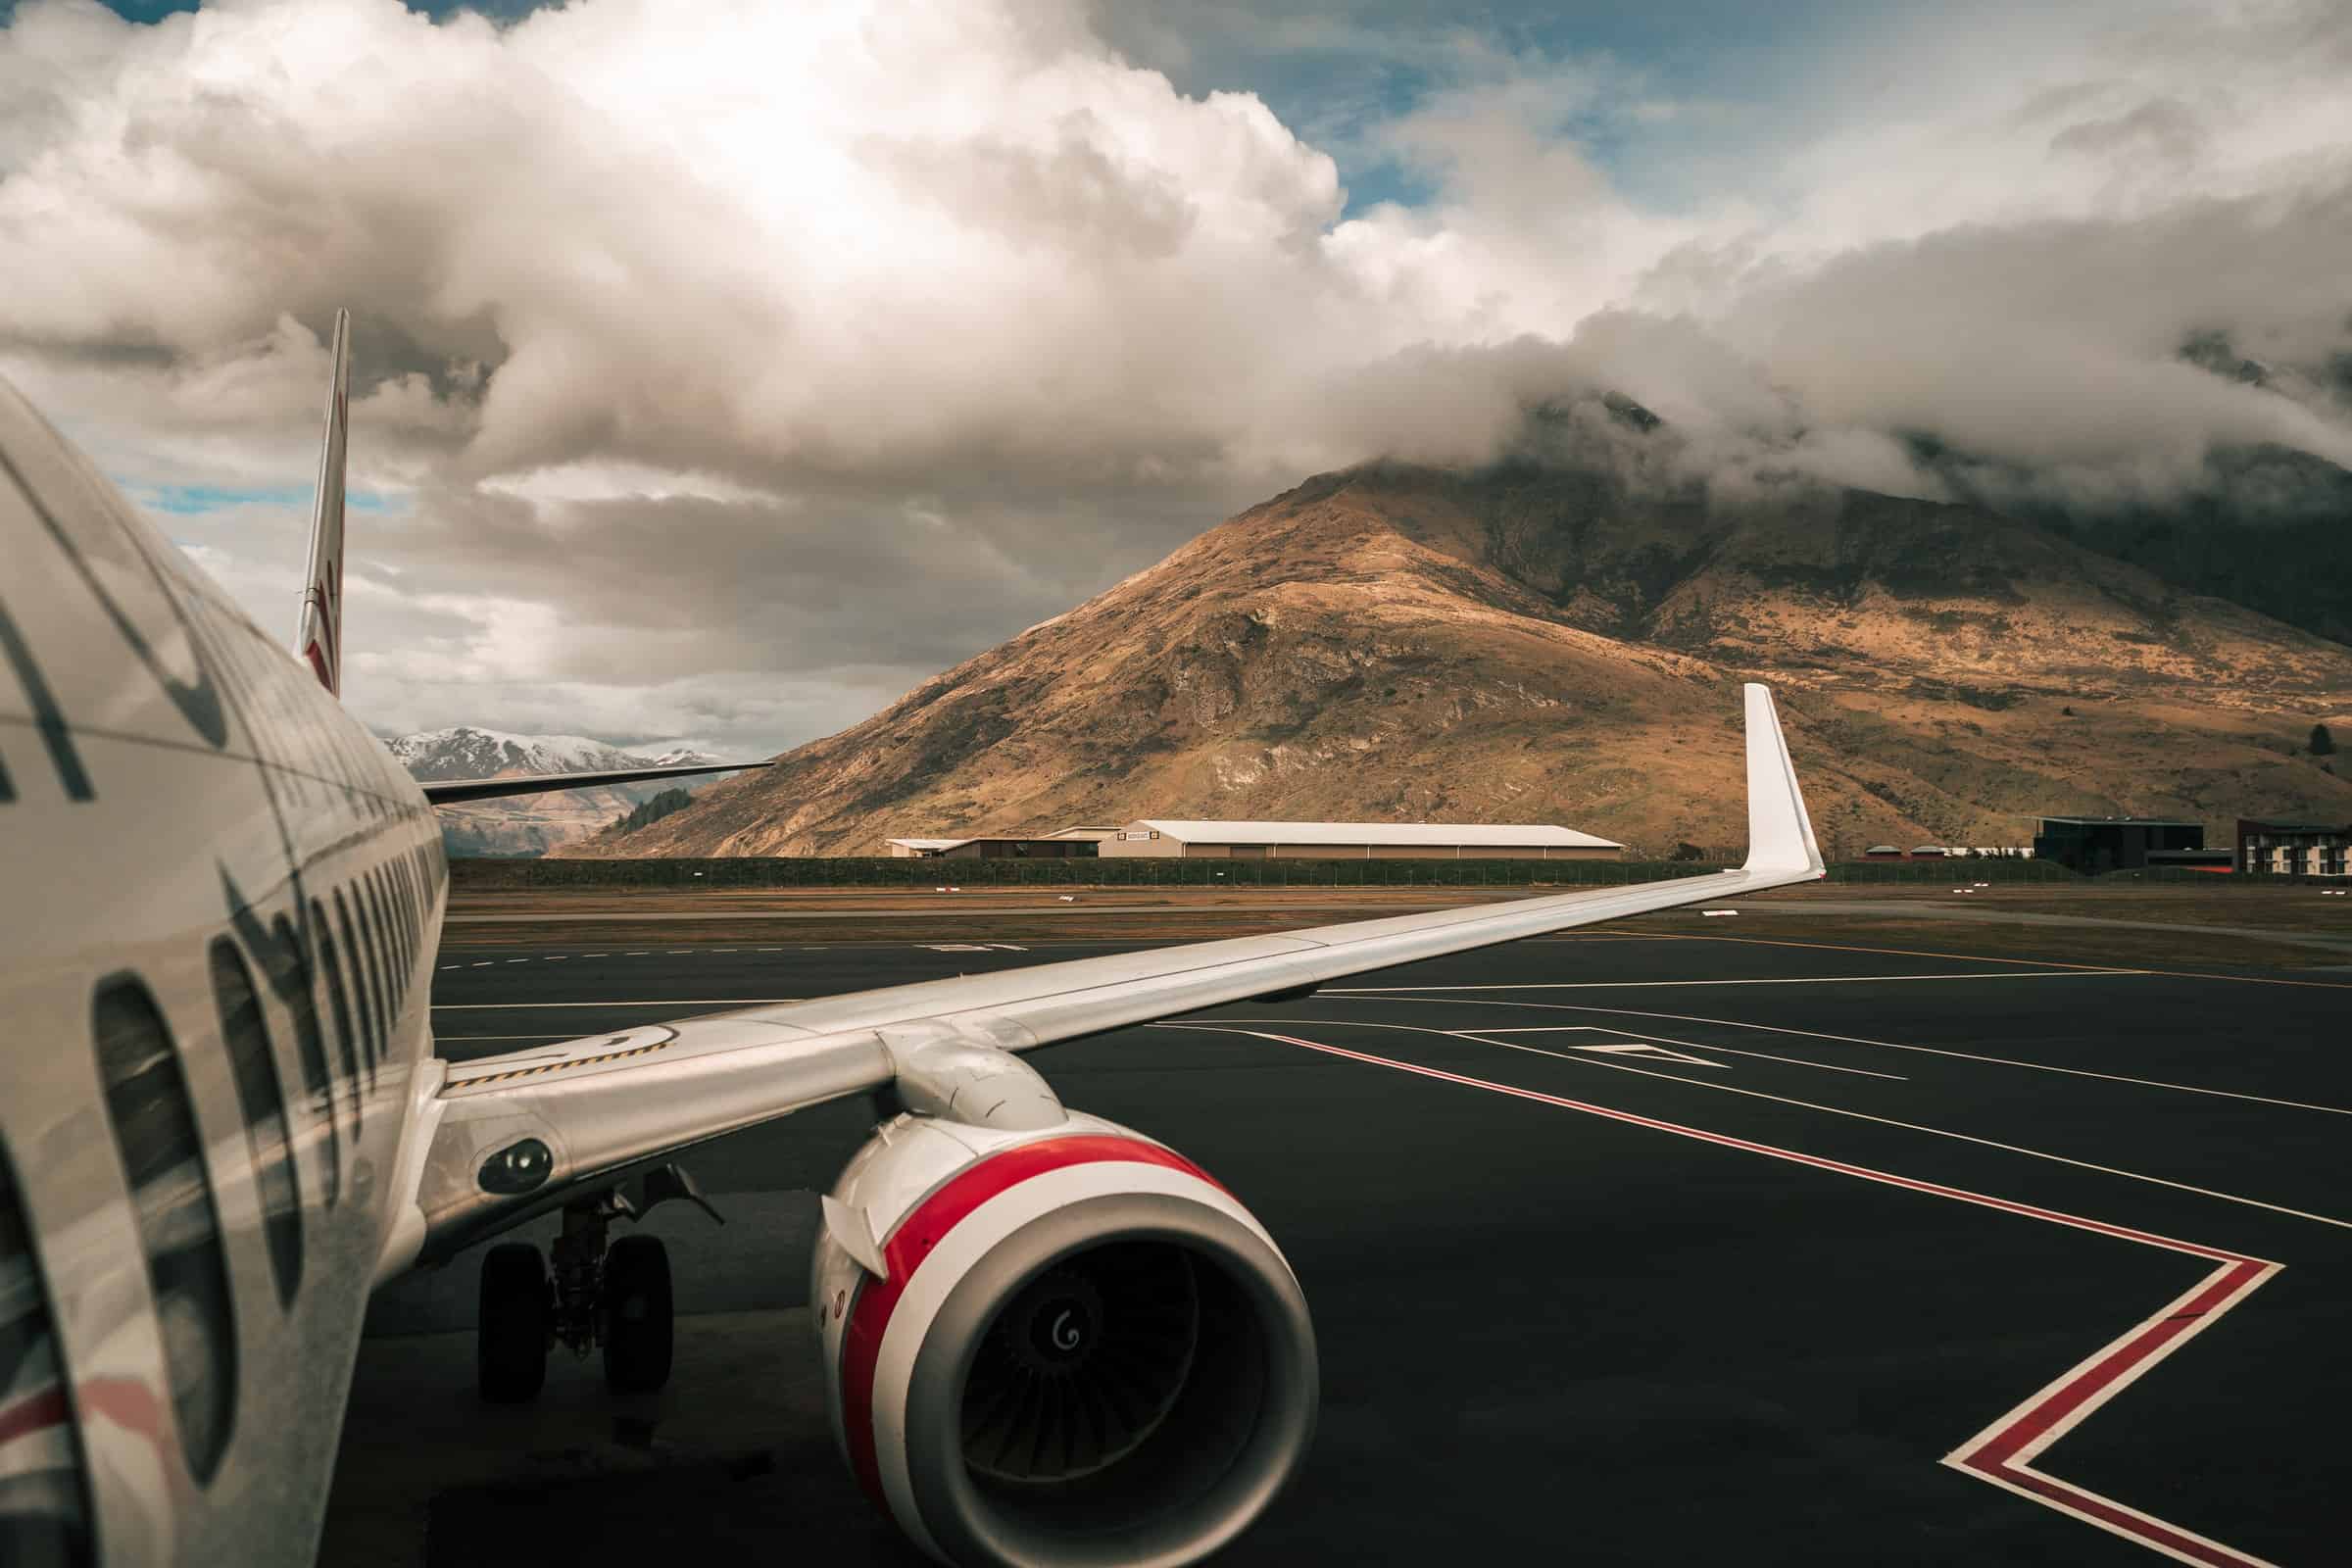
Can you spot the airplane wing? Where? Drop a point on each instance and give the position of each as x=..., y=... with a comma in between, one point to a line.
x=449, y=792
x=513, y=1136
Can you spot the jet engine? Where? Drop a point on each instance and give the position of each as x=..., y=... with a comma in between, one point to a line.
x=1059, y=1343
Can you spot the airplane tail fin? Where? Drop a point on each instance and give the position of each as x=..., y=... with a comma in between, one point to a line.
x=1780, y=831
x=319, y=638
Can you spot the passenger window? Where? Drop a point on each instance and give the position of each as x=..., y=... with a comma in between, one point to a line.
x=379, y=954
x=338, y=1001
x=363, y=979
x=396, y=898
x=253, y=1067
x=179, y=1225
x=292, y=979
x=405, y=875
x=380, y=908
x=45, y=1495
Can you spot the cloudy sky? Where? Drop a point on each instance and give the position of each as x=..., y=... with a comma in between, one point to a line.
x=724, y=368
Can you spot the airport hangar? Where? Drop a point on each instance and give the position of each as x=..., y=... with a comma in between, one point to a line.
x=1168, y=838
x=1172, y=838
x=1070, y=843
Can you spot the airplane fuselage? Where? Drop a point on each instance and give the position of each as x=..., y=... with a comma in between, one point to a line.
x=225, y=898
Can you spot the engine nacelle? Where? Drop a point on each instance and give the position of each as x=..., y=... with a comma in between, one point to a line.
x=1058, y=1346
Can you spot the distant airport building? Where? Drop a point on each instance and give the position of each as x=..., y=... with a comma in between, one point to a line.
x=1948, y=852
x=1355, y=841
x=2095, y=844
x=2294, y=849
x=1070, y=843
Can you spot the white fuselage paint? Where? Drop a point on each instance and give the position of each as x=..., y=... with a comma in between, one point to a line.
x=178, y=797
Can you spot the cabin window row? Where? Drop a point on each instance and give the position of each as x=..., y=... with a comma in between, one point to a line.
x=339, y=967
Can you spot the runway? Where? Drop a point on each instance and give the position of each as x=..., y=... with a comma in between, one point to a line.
x=1623, y=1247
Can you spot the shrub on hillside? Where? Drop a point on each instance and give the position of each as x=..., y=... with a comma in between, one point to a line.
x=650, y=811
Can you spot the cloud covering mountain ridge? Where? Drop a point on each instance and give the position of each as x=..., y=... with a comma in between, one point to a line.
x=1531, y=642
x=733, y=397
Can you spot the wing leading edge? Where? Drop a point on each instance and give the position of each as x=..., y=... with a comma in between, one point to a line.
x=603, y=1104
x=449, y=792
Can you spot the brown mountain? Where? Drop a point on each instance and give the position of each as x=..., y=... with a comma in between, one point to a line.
x=1528, y=643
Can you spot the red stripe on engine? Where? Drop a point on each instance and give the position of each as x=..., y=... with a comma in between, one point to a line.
x=921, y=1232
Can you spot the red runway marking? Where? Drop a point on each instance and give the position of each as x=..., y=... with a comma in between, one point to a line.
x=2003, y=1453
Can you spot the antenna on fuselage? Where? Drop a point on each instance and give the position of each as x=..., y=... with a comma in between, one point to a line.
x=319, y=636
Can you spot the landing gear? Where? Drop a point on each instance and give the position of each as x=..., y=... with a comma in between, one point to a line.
x=516, y=1309
x=637, y=1315
x=616, y=1295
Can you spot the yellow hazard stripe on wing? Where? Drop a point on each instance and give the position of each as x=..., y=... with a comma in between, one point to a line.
x=557, y=1066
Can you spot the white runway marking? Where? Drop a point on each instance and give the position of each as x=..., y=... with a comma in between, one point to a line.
x=1893, y=1045
x=2004, y=1453
x=1802, y=980
x=1693, y=1044
x=1809, y=1104
x=658, y=1002
x=1642, y=1047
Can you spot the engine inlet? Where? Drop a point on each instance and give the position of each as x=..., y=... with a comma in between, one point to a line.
x=1083, y=1365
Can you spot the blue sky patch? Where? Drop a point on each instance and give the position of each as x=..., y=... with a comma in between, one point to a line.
x=198, y=500
x=157, y=10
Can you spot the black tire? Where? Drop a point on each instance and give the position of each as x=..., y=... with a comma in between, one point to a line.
x=510, y=1334
x=637, y=1315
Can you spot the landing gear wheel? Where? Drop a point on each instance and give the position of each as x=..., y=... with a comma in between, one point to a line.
x=637, y=1315
x=511, y=1331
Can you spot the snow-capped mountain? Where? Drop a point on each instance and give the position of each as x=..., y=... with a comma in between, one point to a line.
x=533, y=824
x=465, y=752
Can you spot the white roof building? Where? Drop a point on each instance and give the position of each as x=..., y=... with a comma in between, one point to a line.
x=902, y=848
x=1172, y=836
x=1068, y=843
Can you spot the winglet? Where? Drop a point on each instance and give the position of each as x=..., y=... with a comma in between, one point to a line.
x=1779, y=833
x=319, y=636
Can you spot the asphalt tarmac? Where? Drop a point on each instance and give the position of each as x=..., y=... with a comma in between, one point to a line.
x=1623, y=1247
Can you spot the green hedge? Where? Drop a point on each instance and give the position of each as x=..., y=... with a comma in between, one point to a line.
x=1137, y=872
x=741, y=871
x=1953, y=873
